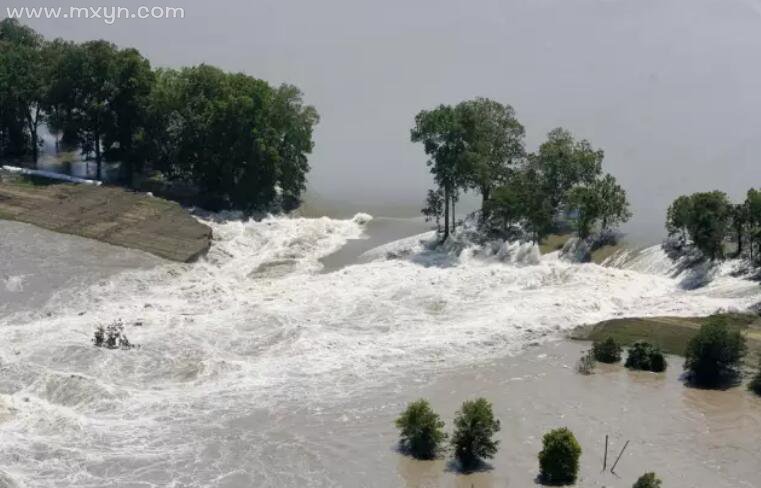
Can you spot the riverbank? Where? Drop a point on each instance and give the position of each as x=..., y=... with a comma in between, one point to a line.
x=671, y=334
x=107, y=214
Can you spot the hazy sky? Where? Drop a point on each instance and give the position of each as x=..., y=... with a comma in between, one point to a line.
x=670, y=89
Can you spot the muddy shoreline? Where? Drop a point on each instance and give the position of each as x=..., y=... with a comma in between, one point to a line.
x=108, y=214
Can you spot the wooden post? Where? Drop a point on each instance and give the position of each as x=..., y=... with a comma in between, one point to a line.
x=605, y=458
x=619, y=457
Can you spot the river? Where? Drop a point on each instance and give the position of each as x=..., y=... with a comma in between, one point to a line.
x=281, y=359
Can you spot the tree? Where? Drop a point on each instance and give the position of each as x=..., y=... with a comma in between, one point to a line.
x=559, y=458
x=713, y=355
x=709, y=222
x=613, y=205
x=433, y=208
x=133, y=79
x=420, y=430
x=243, y=143
x=565, y=163
x=740, y=219
x=441, y=133
x=648, y=480
x=585, y=202
x=753, y=209
x=506, y=204
x=646, y=357
x=475, y=427
x=607, y=351
x=678, y=217
x=23, y=84
x=493, y=140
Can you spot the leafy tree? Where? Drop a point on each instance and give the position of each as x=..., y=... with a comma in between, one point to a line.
x=493, y=140
x=586, y=204
x=648, y=480
x=241, y=142
x=433, y=207
x=713, y=355
x=740, y=219
x=613, y=205
x=559, y=458
x=506, y=204
x=607, y=351
x=753, y=215
x=709, y=221
x=475, y=427
x=678, y=217
x=441, y=132
x=23, y=83
x=420, y=430
x=565, y=163
x=646, y=357
x=586, y=364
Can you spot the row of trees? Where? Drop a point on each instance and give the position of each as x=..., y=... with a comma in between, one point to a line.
x=421, y=434
x=478, y=145
x=708, y=220
x=233, y=136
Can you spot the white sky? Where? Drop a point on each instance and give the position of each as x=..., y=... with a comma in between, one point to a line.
x=670, y=89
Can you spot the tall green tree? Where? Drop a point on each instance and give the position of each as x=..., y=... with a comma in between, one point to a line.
x=493, y=140
x=614, y=207
x=442, y=135
x=678, y=216
x=709, y=222
x=565, y=163
x=23, y=85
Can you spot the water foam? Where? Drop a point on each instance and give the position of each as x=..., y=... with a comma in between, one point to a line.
x=256, y=326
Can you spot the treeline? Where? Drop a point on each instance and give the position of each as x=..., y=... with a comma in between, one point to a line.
x=478, y=145
x=709, y=220
x=238, y=140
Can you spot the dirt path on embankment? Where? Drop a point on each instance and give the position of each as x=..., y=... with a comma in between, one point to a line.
x=108, y=214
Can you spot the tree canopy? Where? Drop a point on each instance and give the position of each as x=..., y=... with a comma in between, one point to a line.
x=242, y=142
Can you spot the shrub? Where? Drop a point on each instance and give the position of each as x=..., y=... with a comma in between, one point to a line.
x=607, y=351
x=646, y=357
x=420, y=430
x=755, y=383
x=475, y=427
x=713, y=355
x=648, y=480
x=112, y=336
x=586, y=364
x=559, y=459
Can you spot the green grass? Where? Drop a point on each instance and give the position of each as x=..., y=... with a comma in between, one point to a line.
x=671, y=334
x=553, y=242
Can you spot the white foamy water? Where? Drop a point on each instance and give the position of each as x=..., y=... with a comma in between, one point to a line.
x=256, y=328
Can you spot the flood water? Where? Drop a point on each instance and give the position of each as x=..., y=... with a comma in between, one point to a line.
x=258, y=366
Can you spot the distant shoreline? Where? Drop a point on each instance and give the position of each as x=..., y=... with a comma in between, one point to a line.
x=108, y=214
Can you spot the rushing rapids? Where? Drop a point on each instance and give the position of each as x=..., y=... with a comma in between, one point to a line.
x=256, y=327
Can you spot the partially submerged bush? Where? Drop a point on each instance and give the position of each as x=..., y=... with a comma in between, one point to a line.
x=420, y=430
x=559, y=458
x=648, y=480
x=475, y=427
x=111, y=336
x=607, y=351
x=713, y=356
x=646, y=357
x=586, y=364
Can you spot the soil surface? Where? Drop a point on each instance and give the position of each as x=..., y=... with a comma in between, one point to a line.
x=108, y=214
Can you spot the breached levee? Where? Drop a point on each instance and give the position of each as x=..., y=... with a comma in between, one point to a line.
x=108, y=214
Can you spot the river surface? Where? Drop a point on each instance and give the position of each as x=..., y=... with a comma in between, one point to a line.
x=281, y=359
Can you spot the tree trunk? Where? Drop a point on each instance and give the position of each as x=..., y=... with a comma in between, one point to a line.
x=97, y=157
x=32, y=123
x=485, y=193
x=453, y=216
x=446, y=214
x=739, y=241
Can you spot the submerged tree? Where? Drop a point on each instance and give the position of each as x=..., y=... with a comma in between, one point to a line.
x=473, y=437
x=420, y=430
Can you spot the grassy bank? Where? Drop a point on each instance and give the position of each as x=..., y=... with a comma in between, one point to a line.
x=108, y=214
x=670, y=333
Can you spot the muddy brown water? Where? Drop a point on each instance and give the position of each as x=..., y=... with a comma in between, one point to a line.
x=689, y=437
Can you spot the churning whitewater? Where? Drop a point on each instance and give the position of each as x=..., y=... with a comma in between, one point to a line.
x=256, y=327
